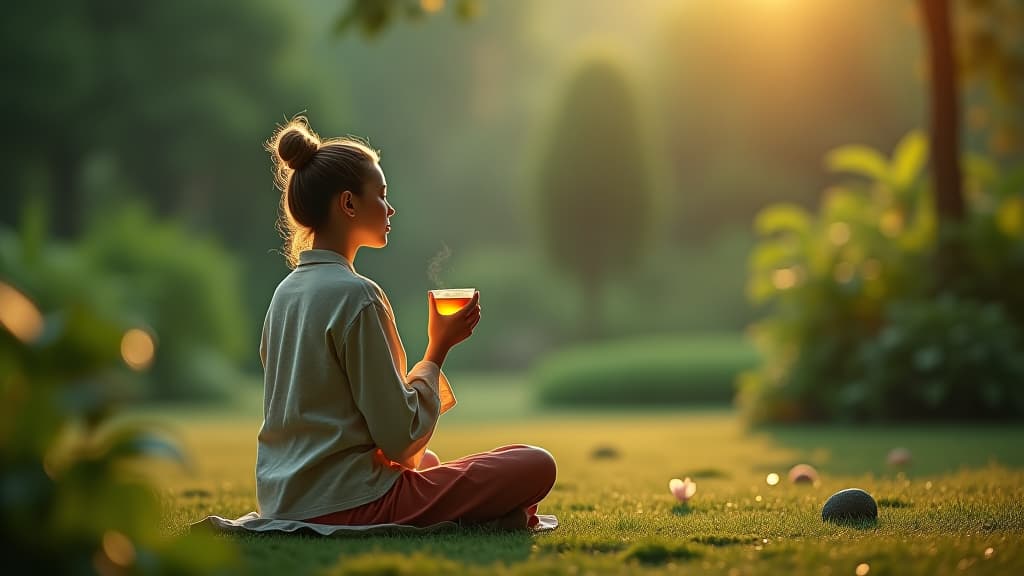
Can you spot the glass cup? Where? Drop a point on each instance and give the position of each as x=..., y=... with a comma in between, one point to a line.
x=451, y=300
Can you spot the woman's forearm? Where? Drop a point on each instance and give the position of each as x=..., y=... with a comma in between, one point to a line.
x=436, y=354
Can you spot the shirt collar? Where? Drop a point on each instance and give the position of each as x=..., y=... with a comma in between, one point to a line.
x=321, y=256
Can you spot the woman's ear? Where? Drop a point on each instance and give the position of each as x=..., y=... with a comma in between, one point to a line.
x=347, y=205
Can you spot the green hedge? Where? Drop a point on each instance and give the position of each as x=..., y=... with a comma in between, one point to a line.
x=699, y=369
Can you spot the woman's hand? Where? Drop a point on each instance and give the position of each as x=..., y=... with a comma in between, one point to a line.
x=444, y=332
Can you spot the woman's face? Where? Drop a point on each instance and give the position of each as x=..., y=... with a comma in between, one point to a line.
x=373, y=211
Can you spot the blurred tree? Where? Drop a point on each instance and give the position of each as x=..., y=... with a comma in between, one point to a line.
x=595, y=191
x=178, y=92
x=165, y=101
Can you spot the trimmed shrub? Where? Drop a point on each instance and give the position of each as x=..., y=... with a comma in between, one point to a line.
x=677, y=371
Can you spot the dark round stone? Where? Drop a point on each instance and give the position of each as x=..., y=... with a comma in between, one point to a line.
x=849, y=504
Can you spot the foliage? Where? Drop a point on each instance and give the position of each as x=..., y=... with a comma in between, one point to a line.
x=168, y=102
x=187, y=287
x=181, y=289
x=988, y=36
x=838, y=279
x=946, y=359
x=595, y=197
x=651, y=372
x=176, y=92
x=68, y=504
x=372, y=17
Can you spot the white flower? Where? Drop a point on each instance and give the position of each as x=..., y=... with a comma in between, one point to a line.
x=683, y=490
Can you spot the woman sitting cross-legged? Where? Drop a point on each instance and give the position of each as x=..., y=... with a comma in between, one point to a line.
x=346, y=425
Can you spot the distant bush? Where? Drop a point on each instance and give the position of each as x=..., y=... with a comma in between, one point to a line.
x=181, y=289
x=856, y=330
x=189, y=291
x=944, y=358
x=691, y=370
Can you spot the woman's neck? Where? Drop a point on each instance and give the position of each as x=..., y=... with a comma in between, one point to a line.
x=347, y=251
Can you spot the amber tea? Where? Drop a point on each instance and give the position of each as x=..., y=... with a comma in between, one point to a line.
x=451, y=300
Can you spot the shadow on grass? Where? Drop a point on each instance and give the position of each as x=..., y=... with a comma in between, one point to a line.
x=654, y=553
x=707, y=473
x=265, y=553
x=855, y=523
x=682, y=510
x=719, y=541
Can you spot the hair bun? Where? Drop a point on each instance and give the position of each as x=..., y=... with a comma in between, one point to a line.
x=297, y=145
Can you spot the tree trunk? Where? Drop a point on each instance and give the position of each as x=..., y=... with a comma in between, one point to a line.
x=945, y=145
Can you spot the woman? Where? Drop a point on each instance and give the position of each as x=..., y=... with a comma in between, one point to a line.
x=346, y=426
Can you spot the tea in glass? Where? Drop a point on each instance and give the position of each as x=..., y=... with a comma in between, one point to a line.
x=451, y=300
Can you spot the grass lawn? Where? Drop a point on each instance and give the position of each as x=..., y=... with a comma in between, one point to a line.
x=959, y=508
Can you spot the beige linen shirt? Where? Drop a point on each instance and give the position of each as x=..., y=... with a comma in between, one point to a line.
x=342, y=416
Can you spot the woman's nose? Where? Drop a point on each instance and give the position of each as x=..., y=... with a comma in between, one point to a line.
x=391, y=210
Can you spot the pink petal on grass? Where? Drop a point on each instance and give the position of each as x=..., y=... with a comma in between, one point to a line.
x=683, y=490
x=899, y=457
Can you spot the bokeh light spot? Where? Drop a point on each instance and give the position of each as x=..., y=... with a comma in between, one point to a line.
x=431, y=5
x=118, y=548
x=839, y=233
x=862, y=569
x=772, y=479
x=891, y=223
x=137, y=349
x=784, y=278
x=19, y=315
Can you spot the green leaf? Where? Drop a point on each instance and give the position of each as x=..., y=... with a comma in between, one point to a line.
x=860, y=160
x=769, y=256
x=909, y=159
x=783, y=218
x=842, y=205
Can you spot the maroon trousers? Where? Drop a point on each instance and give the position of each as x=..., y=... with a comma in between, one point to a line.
x=501, y=487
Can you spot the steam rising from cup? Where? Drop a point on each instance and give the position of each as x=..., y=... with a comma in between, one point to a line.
x=436, y=263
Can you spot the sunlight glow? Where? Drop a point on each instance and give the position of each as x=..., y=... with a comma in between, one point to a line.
x=19, y=315
x=431, y=5
x=137, y=349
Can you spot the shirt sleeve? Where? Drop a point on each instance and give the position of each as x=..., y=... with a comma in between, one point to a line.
x=401, y=411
